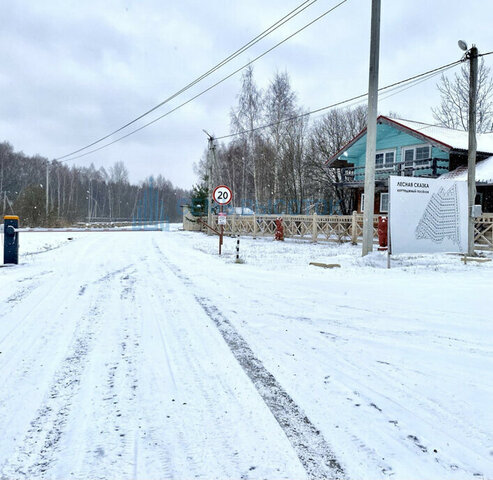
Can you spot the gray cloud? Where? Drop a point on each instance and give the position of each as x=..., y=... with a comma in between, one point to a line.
x=72, y=71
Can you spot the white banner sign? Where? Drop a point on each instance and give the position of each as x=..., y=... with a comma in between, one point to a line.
x=427, y=215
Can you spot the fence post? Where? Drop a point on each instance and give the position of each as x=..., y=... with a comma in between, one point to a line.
x=254, y=225
x=233, y=224
x=354, y=229
x=314, y=228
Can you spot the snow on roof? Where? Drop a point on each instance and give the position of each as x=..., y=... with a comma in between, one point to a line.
x=457, y=139
x=484, y=172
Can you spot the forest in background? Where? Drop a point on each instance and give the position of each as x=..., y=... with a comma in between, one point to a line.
x=81, y=194
x=281, y=168
x=274, y=161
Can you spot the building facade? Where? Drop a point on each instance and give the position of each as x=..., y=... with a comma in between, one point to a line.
x=405, y=148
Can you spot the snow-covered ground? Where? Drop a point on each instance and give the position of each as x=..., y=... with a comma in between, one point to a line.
x=146, y=355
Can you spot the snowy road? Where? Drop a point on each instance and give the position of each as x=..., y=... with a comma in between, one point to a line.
x=144, y=356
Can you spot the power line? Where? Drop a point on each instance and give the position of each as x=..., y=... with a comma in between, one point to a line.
x=435, y=71
x=402, y=88
x=203, y=91
x=395, y=89
x=293, y=13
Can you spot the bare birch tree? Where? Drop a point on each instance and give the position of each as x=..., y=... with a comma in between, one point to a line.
x=280, y=105
x=245, y=118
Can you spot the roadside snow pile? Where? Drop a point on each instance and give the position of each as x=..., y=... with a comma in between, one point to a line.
x=33, y=243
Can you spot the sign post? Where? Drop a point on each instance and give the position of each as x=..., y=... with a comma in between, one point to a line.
x=222, y=195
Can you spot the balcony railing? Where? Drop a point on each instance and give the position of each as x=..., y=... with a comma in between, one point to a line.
x=418, y=168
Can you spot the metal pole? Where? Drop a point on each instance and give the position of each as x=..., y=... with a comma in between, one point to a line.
x=471, y=157
x=47, y=188
x=89, y=192
x=209, y=188
x=209, y=178
x=221, y=230
x=371, y=131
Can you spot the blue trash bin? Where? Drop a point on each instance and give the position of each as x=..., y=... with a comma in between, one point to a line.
x=10, y=239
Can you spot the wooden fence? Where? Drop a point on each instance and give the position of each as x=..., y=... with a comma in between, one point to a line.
x=332, y=228
x=483, y=232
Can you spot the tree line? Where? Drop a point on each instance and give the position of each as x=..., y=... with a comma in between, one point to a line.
x=274, y=159
x=81, y=194
x=280, y=168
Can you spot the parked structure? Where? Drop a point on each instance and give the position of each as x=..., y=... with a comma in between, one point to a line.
x=406, y=148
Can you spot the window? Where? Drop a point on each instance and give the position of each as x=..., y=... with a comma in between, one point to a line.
x=384, y=202
x=385, y=159
x=422, y=153
x=414, y=158
x=389, y=159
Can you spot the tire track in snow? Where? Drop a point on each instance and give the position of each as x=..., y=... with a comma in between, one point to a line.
x=107, y=443
x=312, y=449
x=38, y=451
x=41, y=441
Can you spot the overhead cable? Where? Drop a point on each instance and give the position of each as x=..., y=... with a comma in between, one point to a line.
x=435, y=71
x=203, y=91
x=293, y=13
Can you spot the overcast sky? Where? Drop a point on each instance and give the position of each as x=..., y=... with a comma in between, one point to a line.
x=73, y=71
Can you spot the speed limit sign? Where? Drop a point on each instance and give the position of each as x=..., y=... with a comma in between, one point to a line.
x=222, y=195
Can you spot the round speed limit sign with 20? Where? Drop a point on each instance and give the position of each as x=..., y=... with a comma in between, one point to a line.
x=222, y=195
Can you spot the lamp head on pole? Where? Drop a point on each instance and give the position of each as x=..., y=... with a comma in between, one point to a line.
x=462, y=45
x=208, y=134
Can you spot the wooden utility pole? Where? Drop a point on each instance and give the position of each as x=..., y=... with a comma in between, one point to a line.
x=371, y=130
x=471, y=157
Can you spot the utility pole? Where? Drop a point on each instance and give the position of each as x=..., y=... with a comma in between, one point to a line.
x=89, y=193
x=47, y=189
x=371, y=130
x=210, y=153
x=471, y=157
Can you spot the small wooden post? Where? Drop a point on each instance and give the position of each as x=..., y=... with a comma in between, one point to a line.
x=314, y=228
x=254, y=225
x=354, y=229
